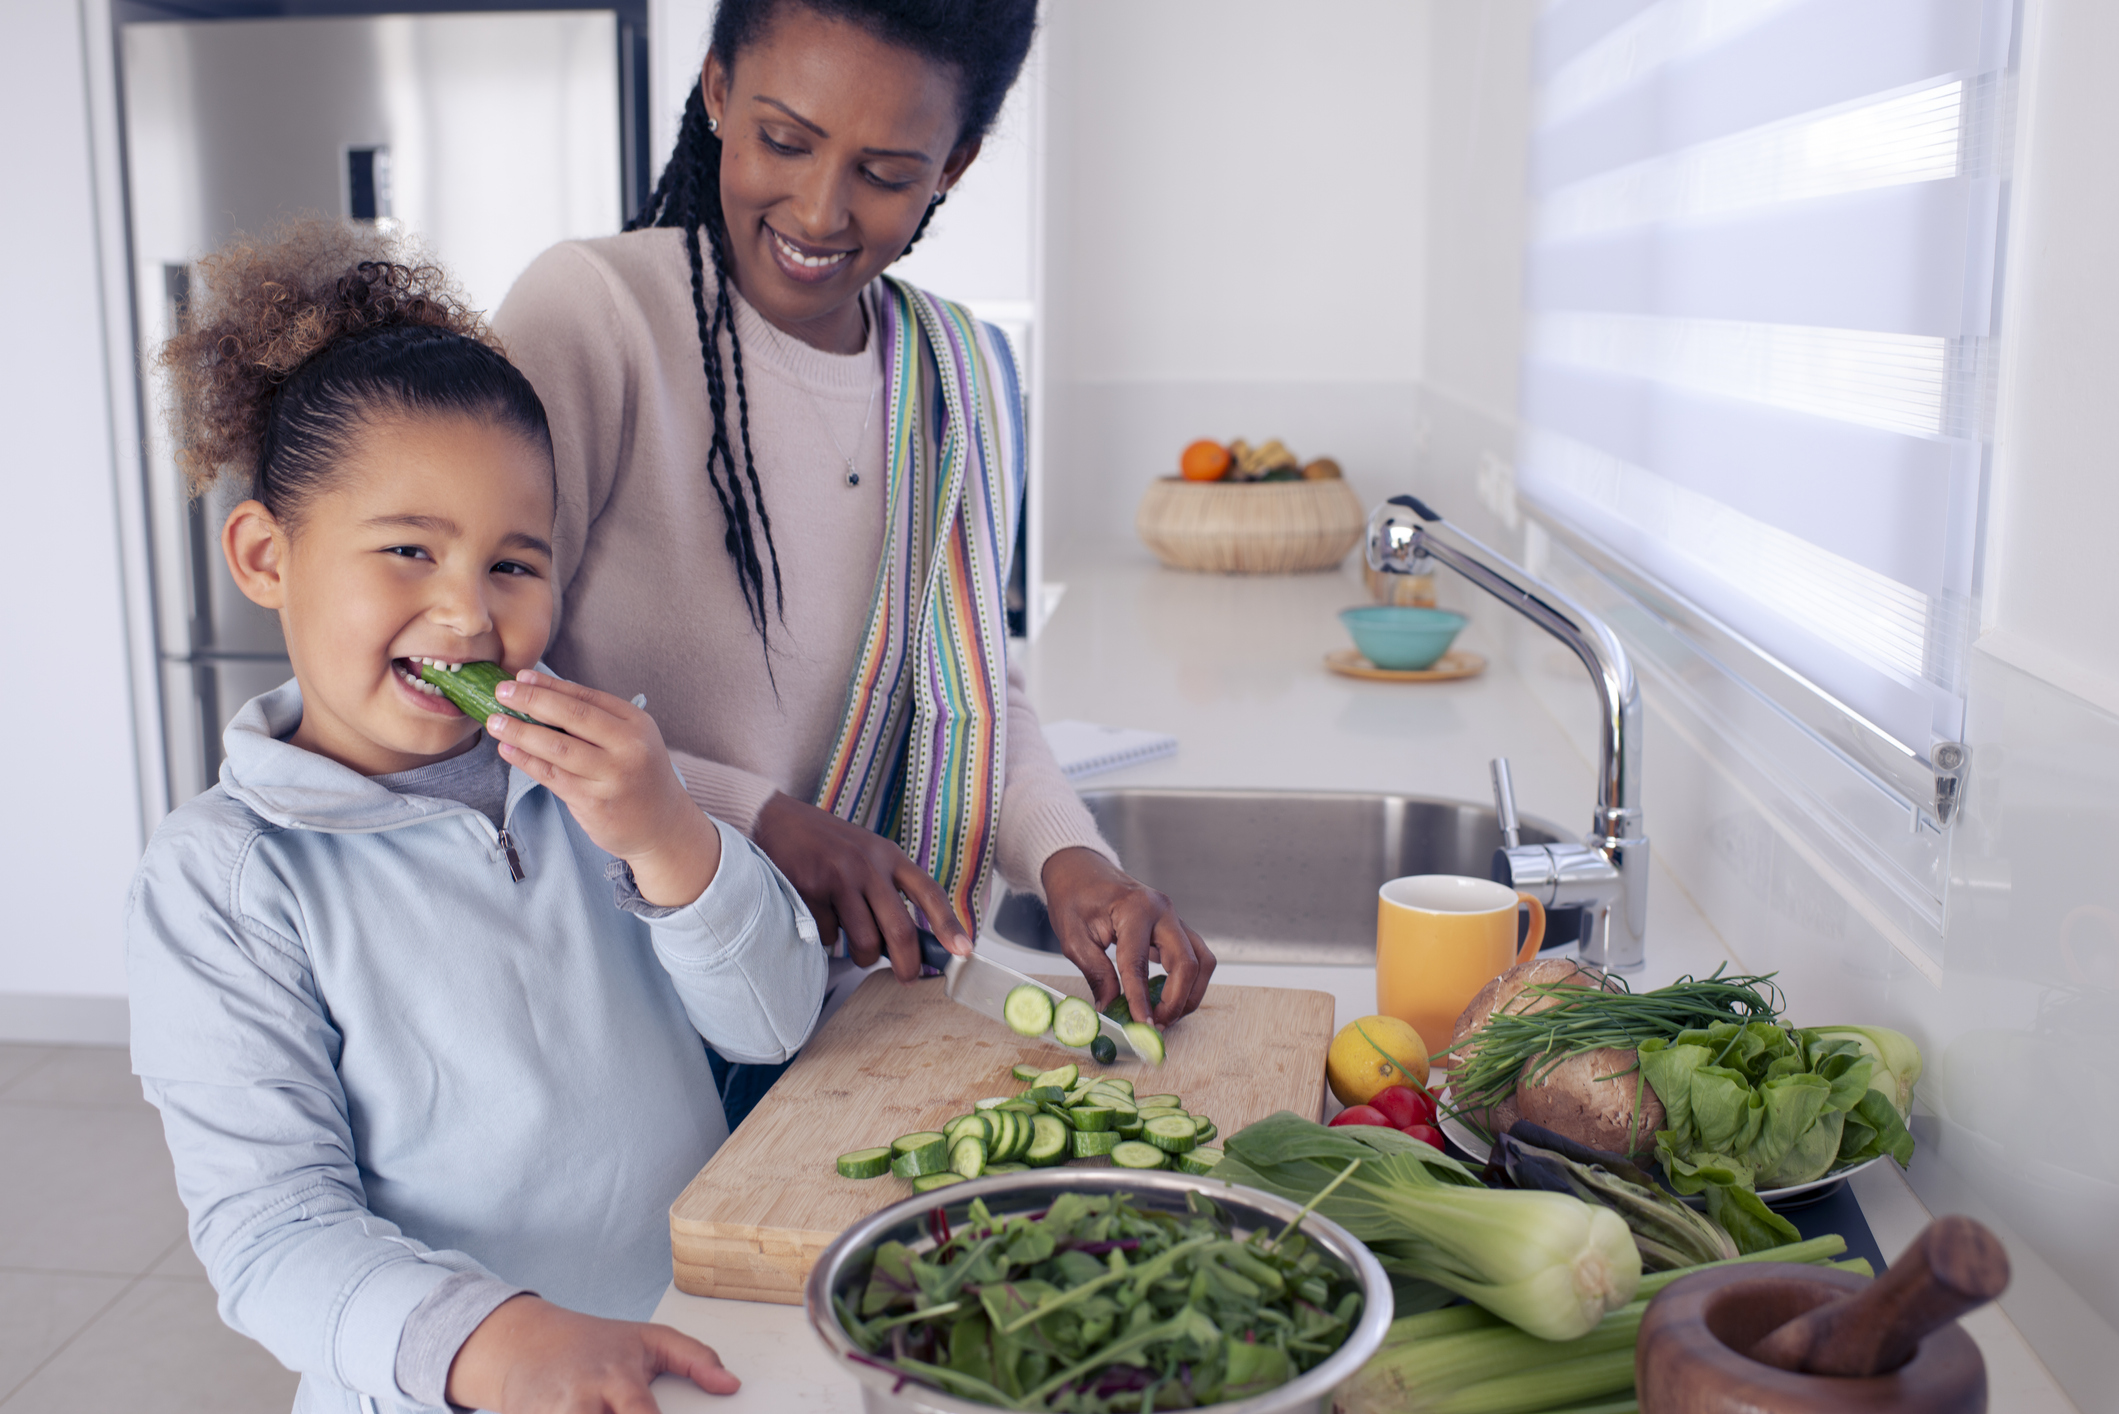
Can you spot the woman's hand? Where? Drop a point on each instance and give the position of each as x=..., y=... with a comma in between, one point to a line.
x=1094, y=904
x=531, y=1357
x=852, y=878
x=609, y=765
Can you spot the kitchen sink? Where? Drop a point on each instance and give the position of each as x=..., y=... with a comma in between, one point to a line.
x=1287, y=876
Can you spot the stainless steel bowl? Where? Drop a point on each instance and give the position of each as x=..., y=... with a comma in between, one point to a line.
x=843, y=1269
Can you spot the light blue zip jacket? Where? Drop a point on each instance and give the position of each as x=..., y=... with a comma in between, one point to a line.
x=381, y=1059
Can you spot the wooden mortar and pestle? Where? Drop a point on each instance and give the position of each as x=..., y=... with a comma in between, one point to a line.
x=1780, y=1338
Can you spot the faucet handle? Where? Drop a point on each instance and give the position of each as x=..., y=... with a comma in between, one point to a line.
x=1505, y=803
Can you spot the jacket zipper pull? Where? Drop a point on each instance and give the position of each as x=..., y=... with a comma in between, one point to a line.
x=507, y=846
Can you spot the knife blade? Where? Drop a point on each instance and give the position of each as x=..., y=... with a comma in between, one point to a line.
x=983, y=984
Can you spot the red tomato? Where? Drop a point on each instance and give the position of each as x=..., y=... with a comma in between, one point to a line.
x=1425, y=1133
x=1403, y=1105
x=1362, y=1114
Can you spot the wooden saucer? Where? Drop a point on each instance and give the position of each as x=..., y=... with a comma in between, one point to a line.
x=1450, y=666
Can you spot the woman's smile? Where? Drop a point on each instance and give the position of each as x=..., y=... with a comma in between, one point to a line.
x=803, y=262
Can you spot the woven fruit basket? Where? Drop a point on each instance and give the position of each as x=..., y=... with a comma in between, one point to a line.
x=1251, y=527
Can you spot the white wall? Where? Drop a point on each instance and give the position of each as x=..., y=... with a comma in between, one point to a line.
x=1236, y=242
x=2056, y=496
x=71, y=832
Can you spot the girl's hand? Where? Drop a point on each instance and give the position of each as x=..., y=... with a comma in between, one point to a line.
x=851, y=878
x=531, y=1357
x=1093, y=904
x=609, y=765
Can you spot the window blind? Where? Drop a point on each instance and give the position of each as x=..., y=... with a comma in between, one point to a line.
x=1760, y=291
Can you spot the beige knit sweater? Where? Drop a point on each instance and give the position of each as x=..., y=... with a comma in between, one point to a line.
x=649, y=598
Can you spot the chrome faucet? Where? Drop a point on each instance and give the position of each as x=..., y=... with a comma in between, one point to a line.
x=1607, y=873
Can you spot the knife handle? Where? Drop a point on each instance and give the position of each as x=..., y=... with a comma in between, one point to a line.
x=932, y=953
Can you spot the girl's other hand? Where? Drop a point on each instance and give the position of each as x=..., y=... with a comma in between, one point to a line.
x=852, y=878
x=531, y=1357
x=608, y=763
x=1094, y=904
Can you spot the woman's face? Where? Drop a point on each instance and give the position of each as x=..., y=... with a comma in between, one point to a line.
x=833, y=143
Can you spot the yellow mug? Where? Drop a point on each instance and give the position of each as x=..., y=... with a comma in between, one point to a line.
x=1439, y=939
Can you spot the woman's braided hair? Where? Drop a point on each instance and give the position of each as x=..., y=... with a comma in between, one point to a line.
x=983, y=42
x=293, y=342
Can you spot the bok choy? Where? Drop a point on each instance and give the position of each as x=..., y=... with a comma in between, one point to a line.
x=1547, y=1263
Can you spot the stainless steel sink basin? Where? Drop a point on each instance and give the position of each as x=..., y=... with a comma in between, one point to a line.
x=1286, y=876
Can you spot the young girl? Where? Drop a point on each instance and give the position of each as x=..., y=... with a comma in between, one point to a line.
x=422, y=1004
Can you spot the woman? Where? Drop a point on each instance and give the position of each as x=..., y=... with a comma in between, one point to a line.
x=788, y=488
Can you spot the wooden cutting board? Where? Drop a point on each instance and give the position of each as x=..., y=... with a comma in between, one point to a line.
x=900, y=1058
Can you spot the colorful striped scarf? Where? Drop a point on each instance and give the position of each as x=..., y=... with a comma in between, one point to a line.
x=919, y=752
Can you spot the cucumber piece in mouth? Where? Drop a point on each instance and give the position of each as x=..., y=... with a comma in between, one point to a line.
x=470, y=687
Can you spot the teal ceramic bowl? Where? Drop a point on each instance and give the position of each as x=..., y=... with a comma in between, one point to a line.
x=1400, y=637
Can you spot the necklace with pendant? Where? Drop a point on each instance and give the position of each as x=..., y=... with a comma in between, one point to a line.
x=853, y=478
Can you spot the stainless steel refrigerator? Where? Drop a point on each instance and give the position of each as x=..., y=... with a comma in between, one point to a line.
x=487, y=135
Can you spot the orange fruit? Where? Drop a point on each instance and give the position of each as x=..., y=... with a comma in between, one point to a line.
x=1373, y=1054
x=1204, y=460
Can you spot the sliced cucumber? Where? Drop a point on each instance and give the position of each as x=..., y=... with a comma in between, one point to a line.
x=958, y=1127
x=1174, y=1102
x=1148, y=1112
x=922, y=1152
x=865, y=1163
x=1103, y=1050
x=1132, y=1154
x=1074, y=1022
x=1146, y=1040
x=1028, y=1010
x=1203, y=1129
x=1118, y=1083
x=1198, y=1161
x=1128, y=1127
x=1049, y=1141
x=1170, y=1133
x=1006, y=1166
x=992, y=1101
x=1026, y=1073
x=967, y=1157
x=1044, y=1095
x=1092, y=1117
x=1002, y=1143
x=928, y=1182
x=1094, y=1144
x=1021, y=1107
x=1064, y=1076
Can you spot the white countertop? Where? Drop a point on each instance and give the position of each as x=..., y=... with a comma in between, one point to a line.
x=1233, y=667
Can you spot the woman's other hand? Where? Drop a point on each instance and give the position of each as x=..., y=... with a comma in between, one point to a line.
x=852, y=879
x=1095, y=904
x=531, y=1357
x=608, y=763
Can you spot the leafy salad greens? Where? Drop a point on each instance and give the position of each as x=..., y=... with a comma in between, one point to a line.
x=1098, y=1305
x=1756, y=1105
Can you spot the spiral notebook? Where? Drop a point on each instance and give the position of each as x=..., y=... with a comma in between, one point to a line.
x=1086, y=748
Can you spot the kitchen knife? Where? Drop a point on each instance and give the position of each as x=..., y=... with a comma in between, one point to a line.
x=983, y=984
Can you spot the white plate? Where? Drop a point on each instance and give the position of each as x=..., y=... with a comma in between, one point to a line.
x=1793, y=1196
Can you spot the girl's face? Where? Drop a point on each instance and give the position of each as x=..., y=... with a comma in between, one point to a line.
x=433, y=543
x=832, y=144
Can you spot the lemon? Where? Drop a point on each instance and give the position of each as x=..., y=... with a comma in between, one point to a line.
x=1372, y=1054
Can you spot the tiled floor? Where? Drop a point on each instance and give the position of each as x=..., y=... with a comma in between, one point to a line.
x=103, y=1308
